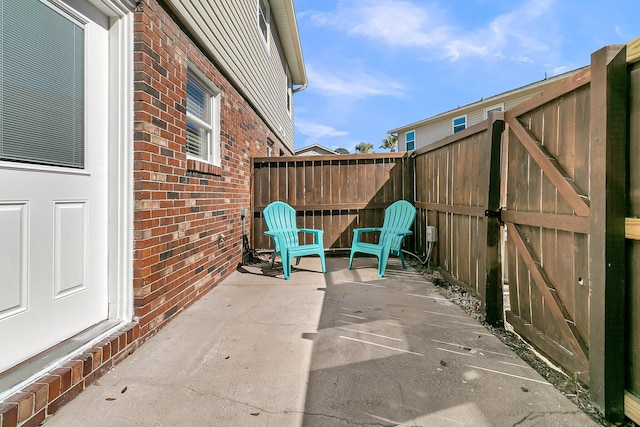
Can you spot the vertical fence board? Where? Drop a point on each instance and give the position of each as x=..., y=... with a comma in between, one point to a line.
x=632, y=309
x=607, y=246
x=333, y=193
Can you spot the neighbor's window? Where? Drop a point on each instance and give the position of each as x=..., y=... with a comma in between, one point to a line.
x=459, y=123
x=410, y=140
x=491, y=109
x=41, y=85
x=203, y=118
x=264, y=20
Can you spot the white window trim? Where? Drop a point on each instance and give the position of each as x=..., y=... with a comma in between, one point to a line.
x=406, y=148
x=466, y=123
x=289, y=93
x=265, y=37
x=493, y=107
x=213, y=155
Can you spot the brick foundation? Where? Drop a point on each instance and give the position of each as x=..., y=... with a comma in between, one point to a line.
x=31, y=405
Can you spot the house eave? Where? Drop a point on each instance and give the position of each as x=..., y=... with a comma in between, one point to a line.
x=284, y=16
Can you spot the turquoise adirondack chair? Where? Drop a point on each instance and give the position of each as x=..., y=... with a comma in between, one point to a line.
x=398, y=219
x=281, y=224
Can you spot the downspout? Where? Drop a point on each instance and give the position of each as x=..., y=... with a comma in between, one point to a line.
x=301, y=88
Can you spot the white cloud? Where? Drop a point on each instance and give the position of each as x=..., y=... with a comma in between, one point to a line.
x=395, y=22
x=513, y=35
x=316, y=131
x=354, y=85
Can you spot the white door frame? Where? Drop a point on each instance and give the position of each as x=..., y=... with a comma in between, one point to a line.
x=120, y=233
x=120, y=178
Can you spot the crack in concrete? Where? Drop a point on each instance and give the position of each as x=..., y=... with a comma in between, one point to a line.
x=334, y=417
x=535, y=415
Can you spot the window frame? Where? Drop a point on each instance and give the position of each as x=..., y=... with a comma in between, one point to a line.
x=413, y=141
x=265, y=34
x=211, y=123
x=454, y=126
x=289, y=94
x=496, y=107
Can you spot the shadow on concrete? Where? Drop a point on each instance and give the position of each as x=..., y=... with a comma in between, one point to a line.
x=392, y=351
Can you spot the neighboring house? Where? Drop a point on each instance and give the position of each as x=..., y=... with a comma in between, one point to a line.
x=427, y=131
x=128, y=129
x=314, y=150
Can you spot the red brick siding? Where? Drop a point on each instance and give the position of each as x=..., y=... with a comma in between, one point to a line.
x=182, y=207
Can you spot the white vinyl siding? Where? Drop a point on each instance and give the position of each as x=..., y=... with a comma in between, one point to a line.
x=440, y=127
x=229, y=31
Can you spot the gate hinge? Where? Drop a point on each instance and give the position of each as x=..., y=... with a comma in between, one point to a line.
x=495, y=214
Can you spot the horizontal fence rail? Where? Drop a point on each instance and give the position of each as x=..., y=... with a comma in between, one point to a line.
x=334, y=193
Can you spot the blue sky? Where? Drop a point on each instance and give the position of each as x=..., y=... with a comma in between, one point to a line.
x=375, y=65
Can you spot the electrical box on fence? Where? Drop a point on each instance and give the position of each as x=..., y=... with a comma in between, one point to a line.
x=432, y=234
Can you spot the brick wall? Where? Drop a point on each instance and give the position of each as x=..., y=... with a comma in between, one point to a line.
x=182, y=207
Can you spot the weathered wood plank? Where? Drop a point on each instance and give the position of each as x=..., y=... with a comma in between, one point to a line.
x=550, y=348
x=567, y=85
x=581, y=274
x=575, y=224
x=453, y=209
x=632, y=407
x=489, y=231
x=633, y=50
x=555, y=307
x=551, y=169
x=608, y=129
x=632, y=228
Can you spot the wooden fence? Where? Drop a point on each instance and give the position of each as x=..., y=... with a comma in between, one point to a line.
x=632, y=234
x=560, y=173
x=457, y=189
x=332, y=193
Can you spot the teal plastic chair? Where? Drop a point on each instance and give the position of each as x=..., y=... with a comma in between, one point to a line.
x=281, y=225
x=398, y=219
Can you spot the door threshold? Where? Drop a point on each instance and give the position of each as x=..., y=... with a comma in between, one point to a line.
x=36, y=366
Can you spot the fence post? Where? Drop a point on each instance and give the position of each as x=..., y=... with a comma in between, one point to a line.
x=493, y=283
x=608, y=145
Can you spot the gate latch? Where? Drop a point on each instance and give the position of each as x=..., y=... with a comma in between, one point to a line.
x=495, y=214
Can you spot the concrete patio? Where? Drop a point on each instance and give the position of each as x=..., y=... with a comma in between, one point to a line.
x=341, y=349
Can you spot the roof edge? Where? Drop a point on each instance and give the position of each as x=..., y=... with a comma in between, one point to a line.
x=284, y=15
x=487, y=101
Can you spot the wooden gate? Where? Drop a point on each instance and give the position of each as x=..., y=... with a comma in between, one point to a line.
x=547, y=218
x=564, y=215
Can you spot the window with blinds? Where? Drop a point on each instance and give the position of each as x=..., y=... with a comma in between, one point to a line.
x=203, y=118
x=41, y=85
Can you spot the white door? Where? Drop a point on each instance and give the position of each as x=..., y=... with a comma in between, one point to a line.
x=53, y=174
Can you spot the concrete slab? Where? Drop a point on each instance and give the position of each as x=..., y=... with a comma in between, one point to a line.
x=341, y=349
